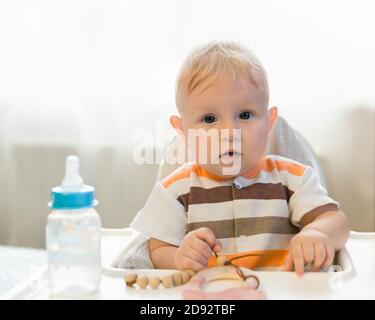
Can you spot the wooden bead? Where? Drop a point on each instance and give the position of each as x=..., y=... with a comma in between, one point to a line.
x=130, y=279
x=177, y=278
x=185, y=277
x=142, y=282
x=220, y=260
x=167, y=281
x=190, y=272
x=154, y=282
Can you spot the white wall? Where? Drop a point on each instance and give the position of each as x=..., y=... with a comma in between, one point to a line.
x=84, y=75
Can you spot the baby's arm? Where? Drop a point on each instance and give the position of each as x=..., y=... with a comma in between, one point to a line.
x=321, y=235
x=162, y=254
x=334, y=224
x=193, y=253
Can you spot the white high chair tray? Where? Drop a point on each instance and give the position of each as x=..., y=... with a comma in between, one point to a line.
x=355, y=281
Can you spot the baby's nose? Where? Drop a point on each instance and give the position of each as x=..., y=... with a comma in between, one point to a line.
x=232, y=134
x=228, y=127
x=230, y=139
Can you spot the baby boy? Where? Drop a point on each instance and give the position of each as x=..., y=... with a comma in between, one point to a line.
x=270, y=213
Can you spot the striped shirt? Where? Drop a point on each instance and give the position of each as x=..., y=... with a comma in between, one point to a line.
x=256, y=213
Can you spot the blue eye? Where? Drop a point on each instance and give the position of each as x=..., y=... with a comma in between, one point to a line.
x=209, y=119
x=246, y=115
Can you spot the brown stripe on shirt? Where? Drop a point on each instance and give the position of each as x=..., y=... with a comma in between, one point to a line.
x=262, y=191
x=233, y=228
x=310, y=216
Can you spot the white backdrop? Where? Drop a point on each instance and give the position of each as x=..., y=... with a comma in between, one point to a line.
x=82, y=76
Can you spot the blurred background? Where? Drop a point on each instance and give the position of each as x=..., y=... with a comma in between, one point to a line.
x=81, y=77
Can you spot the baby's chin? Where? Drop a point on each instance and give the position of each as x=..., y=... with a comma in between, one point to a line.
x=230, y=170
x=223, y=170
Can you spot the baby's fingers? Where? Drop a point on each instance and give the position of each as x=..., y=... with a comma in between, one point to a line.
x=288, y=265
x=320, y=256
x=329, y=257
x=190, y=263
x=196, y=255
x=217, y=247
x=201, y=248
x=295, y=258
x=298, y=261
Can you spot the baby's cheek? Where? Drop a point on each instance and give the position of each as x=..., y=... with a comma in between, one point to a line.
x=254, y=144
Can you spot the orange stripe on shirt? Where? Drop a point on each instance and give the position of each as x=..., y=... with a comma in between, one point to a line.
x=185, y=173
x=268, y=165
x=292, y=168
x=268, y=258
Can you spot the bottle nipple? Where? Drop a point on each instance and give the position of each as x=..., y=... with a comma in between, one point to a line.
x=72, y=181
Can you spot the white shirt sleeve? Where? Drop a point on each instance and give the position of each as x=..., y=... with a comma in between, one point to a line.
x=309, y=196
x=162, y=217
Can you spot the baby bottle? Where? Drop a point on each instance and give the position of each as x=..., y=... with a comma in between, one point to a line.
x=73, y=236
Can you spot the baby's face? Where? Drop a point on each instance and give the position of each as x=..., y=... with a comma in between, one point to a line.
x=228, y=104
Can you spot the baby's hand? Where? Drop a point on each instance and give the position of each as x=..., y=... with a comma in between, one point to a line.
x=196, y=248
x=309, y=246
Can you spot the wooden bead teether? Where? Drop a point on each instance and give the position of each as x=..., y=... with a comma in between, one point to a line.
x=154, y=282
x=142, y=282
x=167, y=281
x=221, y=260
x=182, y=277
x=185, y=277
x=130, y=279
x=177, y=278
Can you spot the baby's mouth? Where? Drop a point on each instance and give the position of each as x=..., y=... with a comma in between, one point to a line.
x=230, y=154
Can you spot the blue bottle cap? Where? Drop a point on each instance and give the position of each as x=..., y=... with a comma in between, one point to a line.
x=84, y=198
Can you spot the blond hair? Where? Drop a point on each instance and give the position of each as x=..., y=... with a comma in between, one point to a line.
x=216, y=59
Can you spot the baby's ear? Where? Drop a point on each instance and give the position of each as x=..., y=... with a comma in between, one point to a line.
x=272, y=117
x=176, y=123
